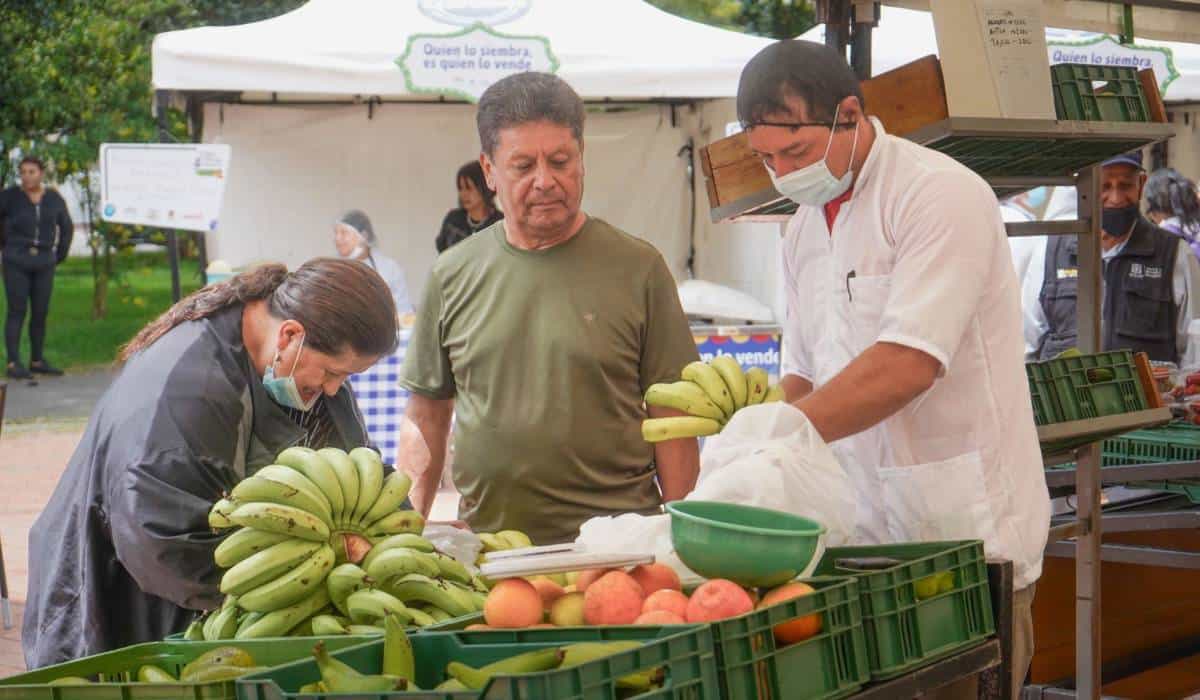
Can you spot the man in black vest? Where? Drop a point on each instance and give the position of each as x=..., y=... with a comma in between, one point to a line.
x=1146, y=277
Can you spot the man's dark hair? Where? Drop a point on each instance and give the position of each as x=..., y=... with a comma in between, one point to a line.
x=473, y=172
x=34, y=161
x=523, y=98
x=814, y=73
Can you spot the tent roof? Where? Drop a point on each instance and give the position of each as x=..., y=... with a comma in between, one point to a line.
x=905, y=35
x=1164, y=20
x=621, y=49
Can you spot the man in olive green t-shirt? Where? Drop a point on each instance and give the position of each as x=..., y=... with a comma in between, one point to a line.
x=540, y=334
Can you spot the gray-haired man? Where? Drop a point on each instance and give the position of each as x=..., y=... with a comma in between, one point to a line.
x=541, y=333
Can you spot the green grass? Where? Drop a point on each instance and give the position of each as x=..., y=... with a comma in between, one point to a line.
x=140, y=292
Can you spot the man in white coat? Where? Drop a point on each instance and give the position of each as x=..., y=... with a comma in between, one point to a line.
x=903, y=332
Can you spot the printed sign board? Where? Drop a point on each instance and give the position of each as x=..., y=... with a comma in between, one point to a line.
x=176, y=186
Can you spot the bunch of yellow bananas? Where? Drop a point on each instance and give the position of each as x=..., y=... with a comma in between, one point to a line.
x=710, y=393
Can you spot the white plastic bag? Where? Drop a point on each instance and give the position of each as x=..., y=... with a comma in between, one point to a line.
x=633, y=533
x=462, y=545
x=770, y=456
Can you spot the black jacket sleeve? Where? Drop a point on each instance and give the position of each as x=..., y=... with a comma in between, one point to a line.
x=179, y=464
x=158, y=512
x=4, y=197
x=66, y=230
x=446, y=234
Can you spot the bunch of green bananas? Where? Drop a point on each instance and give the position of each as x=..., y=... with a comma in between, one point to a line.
x=219, y=664
x=709, y=393
x=402, y=575
x=464, y=677
x=399, y=666
x=296, y=521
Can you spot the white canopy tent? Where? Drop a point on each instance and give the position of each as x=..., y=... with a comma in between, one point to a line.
x=321, y=120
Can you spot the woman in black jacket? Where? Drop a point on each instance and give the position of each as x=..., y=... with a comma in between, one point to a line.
x=36, y=231
x=476, y=207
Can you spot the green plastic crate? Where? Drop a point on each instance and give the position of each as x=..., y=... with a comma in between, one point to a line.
x=1173, y=443
x=902, y=632
x=831, y=664
x=684, y=651
x=1098, y=93
x=455, y=623
x=116, y=671
x=1087, y=386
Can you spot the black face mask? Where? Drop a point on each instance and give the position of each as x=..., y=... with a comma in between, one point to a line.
x=1118, y=222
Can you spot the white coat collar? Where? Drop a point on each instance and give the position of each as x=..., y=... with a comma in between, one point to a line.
x=871, y=164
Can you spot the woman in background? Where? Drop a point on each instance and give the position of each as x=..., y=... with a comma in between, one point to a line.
x=476, y=207
x=35, y=233
x=1172, y=204
x=355, y=239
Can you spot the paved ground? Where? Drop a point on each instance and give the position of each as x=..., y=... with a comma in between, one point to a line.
x=55, y=398
x=32, y=456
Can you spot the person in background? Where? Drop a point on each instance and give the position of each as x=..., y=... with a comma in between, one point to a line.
x=35, y=234
x=541, y=334
x=355, y=239
x=1147, y=277
x=1173, y=205
x=476, y=207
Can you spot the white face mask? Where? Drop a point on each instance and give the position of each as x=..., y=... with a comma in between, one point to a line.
x=283, y=390
x=814, y=185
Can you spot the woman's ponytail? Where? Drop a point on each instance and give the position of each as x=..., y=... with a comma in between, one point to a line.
x=252, y=285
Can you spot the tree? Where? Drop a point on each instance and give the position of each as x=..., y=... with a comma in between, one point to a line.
x=719, y=13
x=227, y=12
x=82, y=78
x=779, y=19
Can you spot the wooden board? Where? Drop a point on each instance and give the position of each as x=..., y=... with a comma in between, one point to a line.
x=1180, y=679
x=909, y=97
x=1158, y=111
x=741, y=179
x=1146, y=375
x=1158, y=603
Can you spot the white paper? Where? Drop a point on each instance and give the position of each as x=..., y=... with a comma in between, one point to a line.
x=1014, y=38
x=993, y=56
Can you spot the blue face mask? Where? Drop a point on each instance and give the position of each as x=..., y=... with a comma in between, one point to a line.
x=1037, y=197
x=283, y=390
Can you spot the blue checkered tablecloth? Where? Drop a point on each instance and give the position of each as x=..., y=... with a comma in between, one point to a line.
x=382, y=401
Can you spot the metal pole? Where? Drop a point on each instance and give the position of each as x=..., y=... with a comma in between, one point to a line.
x=161, y=101
x=836, y=15
x=1088, y=307
x=1087, y=574
x=866, y=18
x=1087, y=471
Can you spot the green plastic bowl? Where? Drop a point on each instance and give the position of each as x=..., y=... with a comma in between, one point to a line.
x=754, y=547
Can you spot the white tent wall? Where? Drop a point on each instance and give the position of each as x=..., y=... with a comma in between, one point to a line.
x=295, y=168
x=1183, y=151
x=744, y=256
